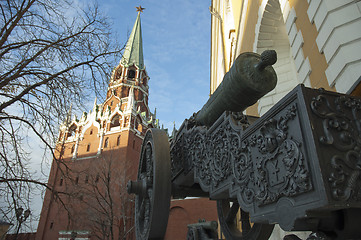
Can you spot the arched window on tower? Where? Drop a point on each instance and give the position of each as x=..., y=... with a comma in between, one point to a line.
x=115, y=122
x=138, y=125
x=131, y=73
x=118, y=140
x=118, y=73
x=126, y=121
x=106, y=143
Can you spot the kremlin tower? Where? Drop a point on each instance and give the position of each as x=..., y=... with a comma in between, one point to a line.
x=97, y=154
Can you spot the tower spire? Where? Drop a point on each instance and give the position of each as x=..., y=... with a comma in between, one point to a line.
x=133, y=52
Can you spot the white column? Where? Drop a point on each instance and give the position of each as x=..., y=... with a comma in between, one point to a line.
x=101, y=141
x=75, y=153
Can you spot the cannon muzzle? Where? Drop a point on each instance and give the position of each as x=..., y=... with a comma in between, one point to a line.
x=249, y=79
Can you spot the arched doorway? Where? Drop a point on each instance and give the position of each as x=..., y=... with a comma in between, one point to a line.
x=272, y=34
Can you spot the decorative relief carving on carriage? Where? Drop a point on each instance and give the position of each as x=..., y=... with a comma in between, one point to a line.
x=341, y=130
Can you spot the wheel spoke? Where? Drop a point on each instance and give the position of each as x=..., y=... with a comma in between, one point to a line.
x=141, y=209
x=231, y=215
x=246, y=225
x=227, y=215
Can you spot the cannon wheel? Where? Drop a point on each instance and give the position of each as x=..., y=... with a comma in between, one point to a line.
x=192, y=234
x=152, y=206
x=227, y=215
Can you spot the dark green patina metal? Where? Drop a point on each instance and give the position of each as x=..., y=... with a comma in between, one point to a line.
x=203, y=230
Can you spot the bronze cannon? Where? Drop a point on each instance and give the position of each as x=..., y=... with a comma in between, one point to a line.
x=299, y=165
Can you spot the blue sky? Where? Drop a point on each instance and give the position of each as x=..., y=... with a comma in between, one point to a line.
x=176, y=44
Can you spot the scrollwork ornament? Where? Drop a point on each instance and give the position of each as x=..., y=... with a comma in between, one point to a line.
x=176, y=156
x=242, y=168
x=195, y=143
x=198, y=155
x=339, y=130
x=341, y=127
x=274, y=132
x=345, y=177
x=220, y=152
x=211, y=153
x=240, y=118
x=271, y=163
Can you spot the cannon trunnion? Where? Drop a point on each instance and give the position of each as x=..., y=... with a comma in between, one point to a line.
x=298, y=165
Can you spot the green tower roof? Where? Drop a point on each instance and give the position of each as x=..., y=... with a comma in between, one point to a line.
x=133, y=52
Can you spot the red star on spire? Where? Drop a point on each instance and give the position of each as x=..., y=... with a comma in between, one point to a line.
x=139, y=9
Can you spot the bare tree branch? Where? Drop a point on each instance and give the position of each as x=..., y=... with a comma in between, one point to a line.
x=52, y=54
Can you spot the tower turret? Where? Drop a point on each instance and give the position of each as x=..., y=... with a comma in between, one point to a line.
x=128, y=86
x=133, y=52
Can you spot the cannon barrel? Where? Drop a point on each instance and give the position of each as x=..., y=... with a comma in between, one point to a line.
x=249, y=79
x=209, y=225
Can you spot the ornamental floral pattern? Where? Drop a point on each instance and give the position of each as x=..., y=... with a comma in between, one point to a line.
x=271, y=163
x=264, y=167
x=341, y=132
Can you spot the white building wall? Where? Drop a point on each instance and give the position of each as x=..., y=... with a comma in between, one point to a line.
x=338, y=23
x=276, y=29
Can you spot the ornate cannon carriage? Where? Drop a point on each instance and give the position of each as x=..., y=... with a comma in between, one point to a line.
x=299, y=165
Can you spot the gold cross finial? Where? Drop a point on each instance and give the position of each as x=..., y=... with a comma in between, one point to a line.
x=139, y=9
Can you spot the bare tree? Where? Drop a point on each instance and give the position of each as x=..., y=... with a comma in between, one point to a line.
x=106, y=208
x=52, y=54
